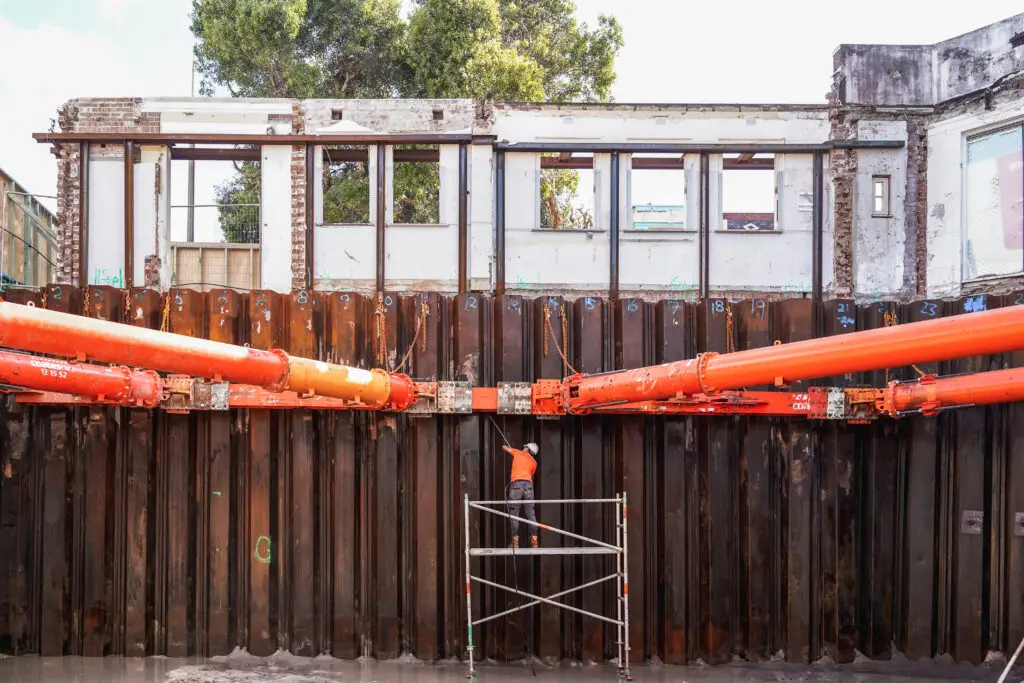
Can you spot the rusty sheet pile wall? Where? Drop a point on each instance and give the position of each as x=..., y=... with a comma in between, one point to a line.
x=142, y=532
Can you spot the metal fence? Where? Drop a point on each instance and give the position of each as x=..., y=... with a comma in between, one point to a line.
x=232, y=223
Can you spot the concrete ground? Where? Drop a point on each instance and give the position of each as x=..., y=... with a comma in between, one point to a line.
x=284, y=668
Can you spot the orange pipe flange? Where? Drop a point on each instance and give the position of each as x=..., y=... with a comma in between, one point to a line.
x=971, y=334
x=930, y=393
x=117, y=385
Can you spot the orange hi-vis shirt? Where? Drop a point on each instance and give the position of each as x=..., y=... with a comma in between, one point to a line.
x=523, y=464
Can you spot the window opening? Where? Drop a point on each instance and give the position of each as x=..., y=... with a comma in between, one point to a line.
x=657, y=192
x=567, y=191
x=749, y=193
x=346, y=185
x=417, y=184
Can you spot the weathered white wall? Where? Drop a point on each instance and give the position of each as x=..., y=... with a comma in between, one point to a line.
x=106, y=221
x=676, y=124
x=878, y=243
x=947, y=142
x=481, y=216
x=276, y=211
x=152, y=212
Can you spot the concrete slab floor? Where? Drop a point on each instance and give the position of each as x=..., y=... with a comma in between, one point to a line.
x=285, y=668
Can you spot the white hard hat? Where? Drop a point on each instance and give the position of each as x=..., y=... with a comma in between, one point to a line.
x=532, y=447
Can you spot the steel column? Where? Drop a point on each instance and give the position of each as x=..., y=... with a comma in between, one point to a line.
x=309, y=279
x=129, y=214
x=83, y=215
x=613, y=231
x=499, y=225
x=704, y=236
x=463, y=218
x=382, y=177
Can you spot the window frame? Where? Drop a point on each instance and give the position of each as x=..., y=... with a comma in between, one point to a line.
x=966, y=139
x=886, y=211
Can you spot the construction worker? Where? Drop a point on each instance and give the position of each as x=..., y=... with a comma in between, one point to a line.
x=521, y=489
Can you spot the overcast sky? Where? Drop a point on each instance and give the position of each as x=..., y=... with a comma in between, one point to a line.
x=675, y=51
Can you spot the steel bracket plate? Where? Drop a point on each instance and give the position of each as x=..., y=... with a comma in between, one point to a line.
x=827, y=403
x=454, y=398
x=971, y=522
x=185, y=394
x=515, y=398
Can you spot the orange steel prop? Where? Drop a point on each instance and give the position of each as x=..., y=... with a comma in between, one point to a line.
x=971, y=334
x=118, y=386
x=63, y=334
x=930, y=393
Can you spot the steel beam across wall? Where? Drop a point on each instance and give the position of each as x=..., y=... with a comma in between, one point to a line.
x=817, y=225
x=696, y=147
x=259, y=139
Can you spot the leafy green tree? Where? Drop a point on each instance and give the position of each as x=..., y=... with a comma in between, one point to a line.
x=239, y=201
x=518, y=50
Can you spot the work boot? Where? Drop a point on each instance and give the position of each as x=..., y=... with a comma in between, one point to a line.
x=514, y=543
x=534, y=542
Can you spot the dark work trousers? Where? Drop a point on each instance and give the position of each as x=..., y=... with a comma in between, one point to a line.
x=521, y=490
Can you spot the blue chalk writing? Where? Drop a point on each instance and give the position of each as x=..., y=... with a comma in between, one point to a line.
x=718, y=306
x=928, y=308
x=675, y=306
x=178, y=301
x=344, y=297
x=388, y=301
x=512, y=305
x=589, y=303
x=470, y=303
x=846, y=320
x=302, y=297
x=974, y=304
x=632, y=306
x=1019, y=300
x=844, y=308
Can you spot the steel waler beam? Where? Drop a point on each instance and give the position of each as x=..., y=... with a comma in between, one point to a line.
x=62, y=334
x=982, y=333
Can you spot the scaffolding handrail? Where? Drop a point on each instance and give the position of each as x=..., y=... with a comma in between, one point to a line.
x=563, y=532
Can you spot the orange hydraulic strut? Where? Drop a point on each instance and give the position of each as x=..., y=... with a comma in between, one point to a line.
x=970, y=334
x=119, y=386
x=929, y=393
x=63, y=334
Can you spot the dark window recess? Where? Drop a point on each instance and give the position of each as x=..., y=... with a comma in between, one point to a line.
x=337, y=114
x=438, y=114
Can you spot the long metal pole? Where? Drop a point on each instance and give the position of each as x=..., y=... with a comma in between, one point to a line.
x=817, y=226
x=987, y=332
x=118, y=385
x=381, y=218
x=625, y=580
x=190, y=230
x=613, y=231
x=469, y=601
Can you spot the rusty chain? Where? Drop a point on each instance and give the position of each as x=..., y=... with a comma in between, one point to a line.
x=565, y=334
x=166, y=314
x=547, y=327
x=730, y=343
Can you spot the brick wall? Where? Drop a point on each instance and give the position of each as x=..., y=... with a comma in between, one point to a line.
x=93, y=115
x=298, y=172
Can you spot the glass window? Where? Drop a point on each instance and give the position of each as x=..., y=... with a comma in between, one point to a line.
x=880, y=195
x=995, y=204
